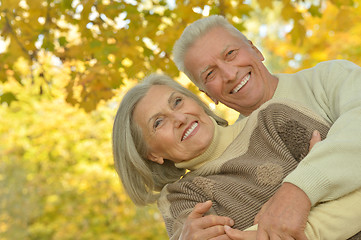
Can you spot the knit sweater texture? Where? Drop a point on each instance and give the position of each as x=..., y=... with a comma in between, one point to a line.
x=273, y=140
x=257, y=153
x=333, y=90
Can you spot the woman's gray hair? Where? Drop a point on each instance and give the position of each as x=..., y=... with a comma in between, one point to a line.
x=192, y=33
x=143, y=179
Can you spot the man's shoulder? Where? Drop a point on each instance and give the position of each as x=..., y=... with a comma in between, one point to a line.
x=326, y=69
x=336, y=63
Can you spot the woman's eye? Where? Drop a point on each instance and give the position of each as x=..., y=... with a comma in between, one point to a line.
x=157, y=122
x=177, y=101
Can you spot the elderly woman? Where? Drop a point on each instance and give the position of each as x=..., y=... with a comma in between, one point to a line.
x=170, y=148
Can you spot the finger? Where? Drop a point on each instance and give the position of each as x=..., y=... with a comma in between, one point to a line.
x=235, y=234
x=283, y=236
x=222, y=237
x=262, y=235
x=263, y=209
x=257, y=217
x=277, y=237
x=213, y=220
x=259, y=214
x=301, y=236
x=199, y=220
x=213, y=232
x=316, y=137
x=200, y=209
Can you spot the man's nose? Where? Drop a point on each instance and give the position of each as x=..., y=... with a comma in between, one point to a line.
x=228, y=71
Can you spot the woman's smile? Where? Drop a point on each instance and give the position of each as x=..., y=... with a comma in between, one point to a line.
x=174, y=126
x=191, y=130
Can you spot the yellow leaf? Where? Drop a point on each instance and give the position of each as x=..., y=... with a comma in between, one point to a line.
x=265, y=3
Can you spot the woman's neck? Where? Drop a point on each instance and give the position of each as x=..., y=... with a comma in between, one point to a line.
x=223, y=136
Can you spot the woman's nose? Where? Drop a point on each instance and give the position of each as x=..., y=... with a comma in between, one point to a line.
x=179, y=118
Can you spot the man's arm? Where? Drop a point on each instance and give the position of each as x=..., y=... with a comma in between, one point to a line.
x=332, y=169
x=336, y=219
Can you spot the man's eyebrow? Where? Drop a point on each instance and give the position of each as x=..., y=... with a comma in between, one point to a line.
x=158, y=113
x=203, y=71
x=225, y=49
x=209, y=66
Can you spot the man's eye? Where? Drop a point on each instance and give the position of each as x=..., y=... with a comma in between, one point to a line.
x=209, y=74
x=230, y=52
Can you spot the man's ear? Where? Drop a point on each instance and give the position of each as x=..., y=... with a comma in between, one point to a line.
x=214, y=100
x=155, y=158
x=258, y=52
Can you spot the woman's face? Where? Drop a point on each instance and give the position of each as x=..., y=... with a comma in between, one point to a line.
x=174, y=126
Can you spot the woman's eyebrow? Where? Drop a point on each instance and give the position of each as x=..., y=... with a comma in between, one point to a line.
x=158, y=113
x=171, y=97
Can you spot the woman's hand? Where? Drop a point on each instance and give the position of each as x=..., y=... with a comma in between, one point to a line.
x=316, y=137
x=236, y=234
x=198, y=226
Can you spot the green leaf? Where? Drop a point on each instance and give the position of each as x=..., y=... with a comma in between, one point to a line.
x=95, y=44
x=62, y=41
x=48, y=45
x=8, y=97
x=66, y=4
x=315, y=11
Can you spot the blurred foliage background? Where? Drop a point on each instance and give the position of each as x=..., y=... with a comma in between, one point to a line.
x=65, y=66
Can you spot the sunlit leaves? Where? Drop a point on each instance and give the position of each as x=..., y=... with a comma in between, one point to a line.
x=57, y=179
x=107, y=32
x=333, y=35
x=265, y=3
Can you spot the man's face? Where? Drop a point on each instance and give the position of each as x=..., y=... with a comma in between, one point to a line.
x=230, y=70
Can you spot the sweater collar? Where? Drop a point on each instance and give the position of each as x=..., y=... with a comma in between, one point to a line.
x=222, y=138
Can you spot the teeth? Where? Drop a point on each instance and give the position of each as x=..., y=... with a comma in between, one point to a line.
x=243, y=82
x=190, y=130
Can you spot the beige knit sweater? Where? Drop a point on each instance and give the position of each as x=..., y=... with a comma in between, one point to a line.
x=248, y=168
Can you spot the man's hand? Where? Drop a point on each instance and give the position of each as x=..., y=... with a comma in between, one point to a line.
x=284, y=215
x=198, y=226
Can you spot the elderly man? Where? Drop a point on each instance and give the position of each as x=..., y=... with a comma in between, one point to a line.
x=225, y=65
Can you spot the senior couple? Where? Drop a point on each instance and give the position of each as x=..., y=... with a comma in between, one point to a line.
x=213, y=181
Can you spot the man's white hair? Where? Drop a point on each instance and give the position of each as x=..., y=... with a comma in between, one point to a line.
x=192, y=33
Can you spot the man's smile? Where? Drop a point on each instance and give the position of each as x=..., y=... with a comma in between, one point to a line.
x=242, y=83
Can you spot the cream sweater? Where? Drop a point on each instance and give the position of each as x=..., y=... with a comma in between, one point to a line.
x=333, y=90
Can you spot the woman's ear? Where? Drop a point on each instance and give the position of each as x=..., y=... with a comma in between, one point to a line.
x=214, y=100
x=155, y=158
